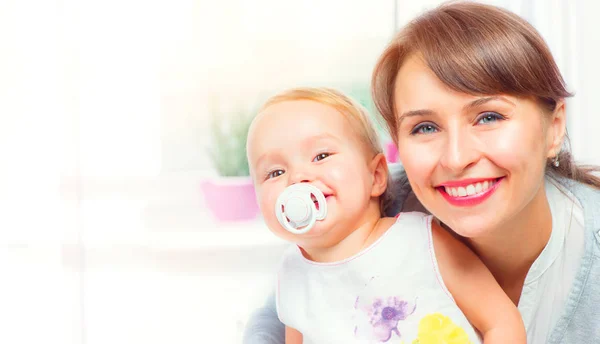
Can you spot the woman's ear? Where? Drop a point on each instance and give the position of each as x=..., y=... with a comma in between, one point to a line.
x=557, y=129
x=379, y=171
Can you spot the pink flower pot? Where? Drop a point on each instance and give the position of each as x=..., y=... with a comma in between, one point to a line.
x=391, y=152
x=230, y=198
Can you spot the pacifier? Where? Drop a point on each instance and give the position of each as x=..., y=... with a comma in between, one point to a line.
x=296, y=209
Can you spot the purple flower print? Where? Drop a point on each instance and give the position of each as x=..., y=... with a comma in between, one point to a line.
x=385, y=315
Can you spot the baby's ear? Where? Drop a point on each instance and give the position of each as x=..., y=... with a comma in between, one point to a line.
x=379, y=171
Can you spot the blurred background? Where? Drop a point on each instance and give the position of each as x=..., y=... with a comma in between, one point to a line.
x=121, y=137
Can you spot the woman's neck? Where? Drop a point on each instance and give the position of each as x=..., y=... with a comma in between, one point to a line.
x=511, y=249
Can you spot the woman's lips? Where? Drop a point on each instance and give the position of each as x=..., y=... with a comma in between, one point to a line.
x=469, y=192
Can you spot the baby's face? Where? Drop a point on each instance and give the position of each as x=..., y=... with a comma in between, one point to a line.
x=303, y=141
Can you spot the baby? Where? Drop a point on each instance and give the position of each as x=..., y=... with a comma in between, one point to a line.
x=354, y=276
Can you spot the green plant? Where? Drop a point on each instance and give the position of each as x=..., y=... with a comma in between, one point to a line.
x=228, y=143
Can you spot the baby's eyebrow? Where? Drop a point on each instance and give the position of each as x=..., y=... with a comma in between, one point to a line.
x=261, y=160
x=306, y=142
x=323, y=136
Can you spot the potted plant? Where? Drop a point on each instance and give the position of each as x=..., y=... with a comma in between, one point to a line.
x=231, y=195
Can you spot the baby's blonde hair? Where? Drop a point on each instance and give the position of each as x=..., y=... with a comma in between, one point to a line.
x=355, y=112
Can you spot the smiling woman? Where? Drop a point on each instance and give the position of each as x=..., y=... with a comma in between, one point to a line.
x=476, y=104
x=475, y=140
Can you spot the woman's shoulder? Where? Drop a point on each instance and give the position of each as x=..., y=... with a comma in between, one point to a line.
x=575, y=325
x=589, y=199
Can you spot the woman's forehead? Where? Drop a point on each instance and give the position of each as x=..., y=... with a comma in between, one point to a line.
x=418, y=88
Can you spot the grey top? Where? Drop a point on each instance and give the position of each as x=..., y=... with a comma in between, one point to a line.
x=580, y=319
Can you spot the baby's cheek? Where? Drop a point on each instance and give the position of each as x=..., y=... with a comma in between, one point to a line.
x=267, y=203
x=337, y=173
x=263, y=200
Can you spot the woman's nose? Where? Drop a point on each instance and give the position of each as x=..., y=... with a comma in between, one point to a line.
x=460, y=152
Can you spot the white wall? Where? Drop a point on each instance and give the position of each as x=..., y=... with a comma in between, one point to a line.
x=586, y=121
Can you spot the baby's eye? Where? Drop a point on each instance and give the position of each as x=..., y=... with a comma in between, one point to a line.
x=321, y=156
x=275, y=174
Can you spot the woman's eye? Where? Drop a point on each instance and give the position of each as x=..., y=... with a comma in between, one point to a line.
x=321, y=156
x=275, y=174
x=425, y=128
x=489, y=117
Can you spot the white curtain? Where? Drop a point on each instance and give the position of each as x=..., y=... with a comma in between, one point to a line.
x=570, y=29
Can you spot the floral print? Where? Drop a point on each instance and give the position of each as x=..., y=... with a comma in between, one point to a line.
x=384, y=315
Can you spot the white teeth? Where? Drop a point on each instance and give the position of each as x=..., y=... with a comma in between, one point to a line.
x=470, y=190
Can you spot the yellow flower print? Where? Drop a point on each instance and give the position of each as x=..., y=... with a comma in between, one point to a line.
x=437, y=328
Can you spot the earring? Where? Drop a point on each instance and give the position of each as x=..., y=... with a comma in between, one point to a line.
x=555, y=161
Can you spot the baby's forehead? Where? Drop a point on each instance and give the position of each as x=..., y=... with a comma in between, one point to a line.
x=294, y=116
x=290, y=108
x=294, y=119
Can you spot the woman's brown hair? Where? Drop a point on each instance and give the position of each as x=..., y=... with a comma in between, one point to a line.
x=479, y=49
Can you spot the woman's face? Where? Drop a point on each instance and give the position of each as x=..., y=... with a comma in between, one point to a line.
x=475, y=162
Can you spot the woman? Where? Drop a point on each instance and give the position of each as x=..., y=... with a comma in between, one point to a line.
x=475, y=103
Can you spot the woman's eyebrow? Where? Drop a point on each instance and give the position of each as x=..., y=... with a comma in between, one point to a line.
x=473, y=104
x=414, y=113
x=478, y=102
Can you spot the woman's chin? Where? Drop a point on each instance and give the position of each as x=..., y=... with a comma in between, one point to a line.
x=471, y=227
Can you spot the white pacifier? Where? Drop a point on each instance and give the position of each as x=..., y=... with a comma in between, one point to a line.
x=296, y=209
